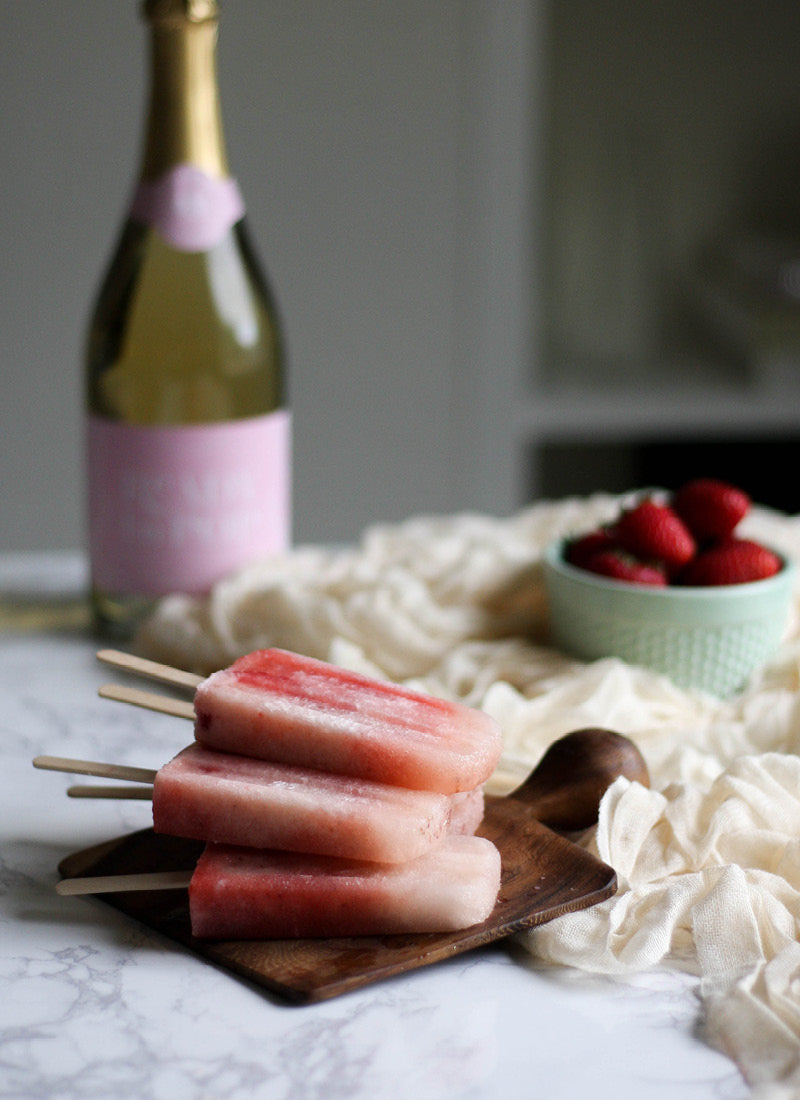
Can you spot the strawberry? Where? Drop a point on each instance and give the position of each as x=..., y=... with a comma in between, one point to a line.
x=734, y=561
x=653, y=531
x=579, y=550
x=711, y=509
x=620, y=566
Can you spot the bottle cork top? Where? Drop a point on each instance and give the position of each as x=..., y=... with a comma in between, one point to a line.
x=192, y=11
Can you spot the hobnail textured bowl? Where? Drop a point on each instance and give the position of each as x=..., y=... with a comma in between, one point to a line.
x=711, y=638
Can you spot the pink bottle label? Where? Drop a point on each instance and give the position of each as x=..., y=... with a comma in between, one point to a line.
x=192, y=211
x=175, y=509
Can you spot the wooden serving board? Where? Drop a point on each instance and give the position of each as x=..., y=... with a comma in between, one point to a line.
x=544, y=876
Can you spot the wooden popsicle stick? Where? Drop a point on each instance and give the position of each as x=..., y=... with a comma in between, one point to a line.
x=153, y=670
x=95, y=768
x=150, y=700
x=108, y=884
x=98, y=791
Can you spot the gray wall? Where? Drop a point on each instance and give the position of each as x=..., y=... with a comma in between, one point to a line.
x=352, y=128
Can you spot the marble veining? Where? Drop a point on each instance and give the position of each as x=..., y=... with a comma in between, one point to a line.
x=93, y=1005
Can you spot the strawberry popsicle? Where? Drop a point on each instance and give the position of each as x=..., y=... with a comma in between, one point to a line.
x=215, y=796
x=283, y=707
x=466, y=811
x=241, y=893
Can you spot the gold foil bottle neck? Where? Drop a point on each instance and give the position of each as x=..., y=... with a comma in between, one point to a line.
x=180, y=11
x=184, y=121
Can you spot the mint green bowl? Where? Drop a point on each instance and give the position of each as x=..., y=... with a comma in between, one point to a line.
x=710, y=638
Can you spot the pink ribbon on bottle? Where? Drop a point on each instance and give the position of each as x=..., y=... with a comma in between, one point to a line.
x=191, y=210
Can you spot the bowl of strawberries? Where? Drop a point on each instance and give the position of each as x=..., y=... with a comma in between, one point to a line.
x=672, y=585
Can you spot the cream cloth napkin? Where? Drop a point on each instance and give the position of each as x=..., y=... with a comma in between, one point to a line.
x=708, y=859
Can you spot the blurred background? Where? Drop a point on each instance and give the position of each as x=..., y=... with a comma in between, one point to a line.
x=521, y=248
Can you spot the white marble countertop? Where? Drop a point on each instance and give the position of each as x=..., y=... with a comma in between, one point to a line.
x=95, y=1005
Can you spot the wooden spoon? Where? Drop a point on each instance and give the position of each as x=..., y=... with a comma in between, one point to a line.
x=565, y=788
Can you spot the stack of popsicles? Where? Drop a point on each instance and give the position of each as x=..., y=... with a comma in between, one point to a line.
x=332, y=804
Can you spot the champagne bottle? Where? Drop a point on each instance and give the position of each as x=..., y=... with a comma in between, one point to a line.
x=188, y=433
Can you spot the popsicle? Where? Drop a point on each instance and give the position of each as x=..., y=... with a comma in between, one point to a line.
x=466, y=811
x=297, y=710
x=241, y=893
x=214, y=796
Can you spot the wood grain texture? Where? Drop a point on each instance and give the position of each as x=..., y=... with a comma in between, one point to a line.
x=544, y=876
x=565, y=789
